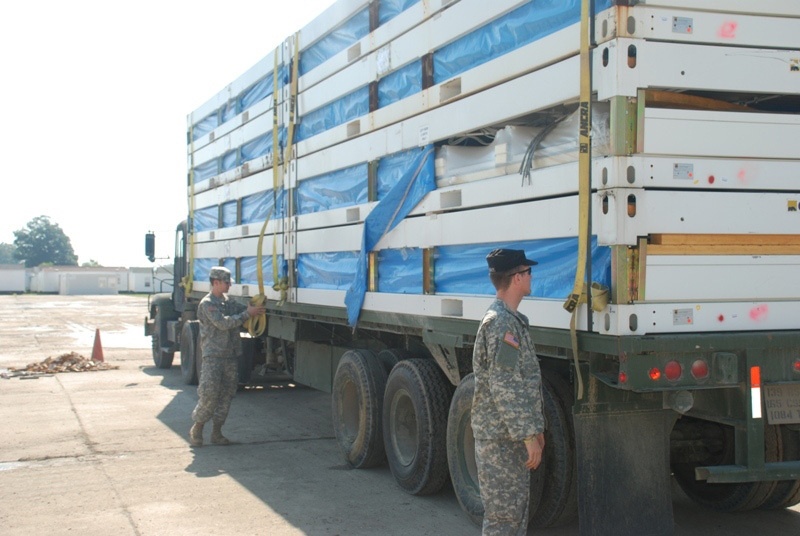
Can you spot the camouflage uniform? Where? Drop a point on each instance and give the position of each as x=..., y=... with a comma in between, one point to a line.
x=506, y=409
x=220, y=346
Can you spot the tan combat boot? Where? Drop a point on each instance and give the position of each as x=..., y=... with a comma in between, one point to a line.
x=196, y=435
x=216, y=436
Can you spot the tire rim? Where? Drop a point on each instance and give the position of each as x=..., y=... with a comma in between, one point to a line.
x=403, y=426
x=350, y=410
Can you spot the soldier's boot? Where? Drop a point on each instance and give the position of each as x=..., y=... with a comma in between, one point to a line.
x=196, y=435
x=216, y=436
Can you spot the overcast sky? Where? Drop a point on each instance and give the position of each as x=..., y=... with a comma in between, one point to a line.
x=94, y=98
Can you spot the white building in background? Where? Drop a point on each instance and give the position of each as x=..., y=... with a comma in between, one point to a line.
x=75, y=280
x=12, y=278
x=150, y=280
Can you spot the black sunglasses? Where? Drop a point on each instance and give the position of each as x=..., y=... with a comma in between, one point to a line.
x=526, y=272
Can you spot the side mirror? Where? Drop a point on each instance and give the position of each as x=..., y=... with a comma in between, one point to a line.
x=150, y=246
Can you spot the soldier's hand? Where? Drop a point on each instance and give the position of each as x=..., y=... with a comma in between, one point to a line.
x=535, y=449
x=256, y=311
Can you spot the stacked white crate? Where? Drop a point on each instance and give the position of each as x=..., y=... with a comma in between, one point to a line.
x=679, y=45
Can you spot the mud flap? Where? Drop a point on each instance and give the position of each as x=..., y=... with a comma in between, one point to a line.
x=623, y=472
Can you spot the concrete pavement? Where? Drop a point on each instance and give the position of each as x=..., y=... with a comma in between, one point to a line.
x=99, y=453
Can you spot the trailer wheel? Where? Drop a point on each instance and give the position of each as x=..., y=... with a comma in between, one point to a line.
x=161, y=357
x=415, y=425
x=787, y=492
x=190, y=357
x=726, y=497
x=461, y=450
x=357, y=401
x=390, y=357
x=554, y=486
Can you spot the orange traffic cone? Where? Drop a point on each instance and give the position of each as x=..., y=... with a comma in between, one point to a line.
x=97, y=350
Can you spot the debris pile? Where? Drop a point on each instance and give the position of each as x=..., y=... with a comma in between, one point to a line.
x=70, y=362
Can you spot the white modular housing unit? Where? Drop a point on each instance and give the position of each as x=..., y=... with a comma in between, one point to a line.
x=409, y=124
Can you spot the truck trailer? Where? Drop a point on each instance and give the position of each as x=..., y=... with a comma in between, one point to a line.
x=643, y=152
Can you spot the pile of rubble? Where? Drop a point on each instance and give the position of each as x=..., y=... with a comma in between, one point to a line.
x=71, y=362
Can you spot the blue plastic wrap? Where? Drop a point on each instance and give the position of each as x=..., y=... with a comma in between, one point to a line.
x=259, y=146
x=389, y=9
x=400, y=271
x=206, y=219
x=230, y=264
x=256, y=93
x=201, y=268
x=229, y=214
x=395, y=168
x=205, y=125
x=339, y=39
x=517, y=28
x=338, y=112
x=463, y=269
x=256, y=207
x=206, y=170
x=412, y=186
x=228, y=111
x=229, y=160
x=328, y=271
x=400, y=84
x=249, y=264
x=342, y=188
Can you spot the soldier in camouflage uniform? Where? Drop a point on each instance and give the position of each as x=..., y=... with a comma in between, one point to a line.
x=507, y=416
x=220, y=319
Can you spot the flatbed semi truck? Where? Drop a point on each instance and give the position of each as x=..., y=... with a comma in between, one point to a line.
x=643, y=152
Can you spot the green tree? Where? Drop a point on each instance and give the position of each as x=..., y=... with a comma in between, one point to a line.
x=91, y=263
x=43, y=241
x=7, y=253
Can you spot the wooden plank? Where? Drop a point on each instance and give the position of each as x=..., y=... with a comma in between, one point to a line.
x=669, y=99
x=731, y=249
x=724, y=239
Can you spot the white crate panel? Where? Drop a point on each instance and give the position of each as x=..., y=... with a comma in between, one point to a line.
x=698, y=317
x=685, y=172
x=689, y=67
x=678, y=212
x=722, y=277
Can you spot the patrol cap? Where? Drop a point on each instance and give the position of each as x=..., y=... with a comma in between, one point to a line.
x=220, y=273
x=505, y=260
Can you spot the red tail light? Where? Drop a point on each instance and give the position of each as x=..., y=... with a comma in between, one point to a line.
x=700, y=370
x=797, y=365
x=655, y=374
x=673, y=371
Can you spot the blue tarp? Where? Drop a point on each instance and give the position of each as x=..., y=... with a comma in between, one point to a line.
x=463, y=269
x=229, y=214
x=342, y=188
x=389, y=9
x=329, y=271
x=531, y=21
x=338, y=112
x=400, y=84
x=400, y=271
x=249, y=267
x=256, y=207
x=339, y=39
x=202, y=267
x=416, y=181
x=206, y=219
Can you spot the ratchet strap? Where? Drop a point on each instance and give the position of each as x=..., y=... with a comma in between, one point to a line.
x=584, y=184
x=187, y=281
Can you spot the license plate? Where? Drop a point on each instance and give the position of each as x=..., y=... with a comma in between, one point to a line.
x=782, y=402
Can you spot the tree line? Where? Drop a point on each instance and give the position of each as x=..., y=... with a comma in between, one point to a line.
x=40, y=242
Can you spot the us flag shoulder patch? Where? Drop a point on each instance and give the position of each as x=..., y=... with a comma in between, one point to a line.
x=511, y=340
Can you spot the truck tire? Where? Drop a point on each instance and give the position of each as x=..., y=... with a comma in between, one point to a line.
x=461, y=450
x=728, y=497
x=415, y=425
x=190, y=356
x=390, y=357
x=162, y=356
x=556, y=480
x=787, y=492
x=357, y=401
